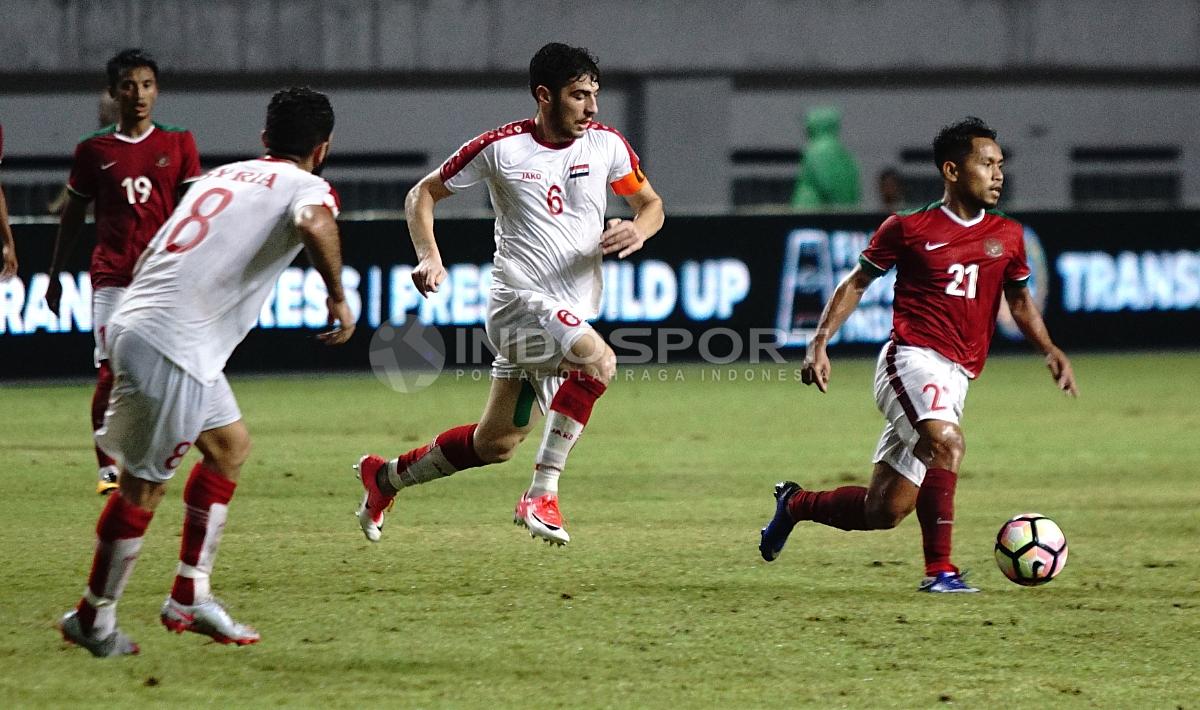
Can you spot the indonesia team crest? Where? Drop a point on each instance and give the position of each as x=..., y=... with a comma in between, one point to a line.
x=993, y=247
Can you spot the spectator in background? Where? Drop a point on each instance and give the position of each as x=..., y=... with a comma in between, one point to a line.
x=8, y=248
x=828, y=175
x=891, y=190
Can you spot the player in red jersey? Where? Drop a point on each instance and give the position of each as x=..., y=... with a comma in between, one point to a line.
x=953, y=260
x=135, y=171
x=8, y=248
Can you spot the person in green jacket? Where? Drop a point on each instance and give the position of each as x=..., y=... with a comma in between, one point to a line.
x=828, y=175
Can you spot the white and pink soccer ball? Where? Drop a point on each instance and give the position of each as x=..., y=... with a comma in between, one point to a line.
x=1031, y=549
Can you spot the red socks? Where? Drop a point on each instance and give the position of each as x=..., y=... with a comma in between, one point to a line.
x=569, y=413
x=119, y=533
x=206, y=503
x=577, y=395
x=844, y=508
x=458, y=446
x=935, y=511
x=104, y=385
x=450, y=452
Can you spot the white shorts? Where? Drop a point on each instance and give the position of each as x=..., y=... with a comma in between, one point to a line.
x=531, y=333
x=104, y=304
x=156, y=409
x=911, y=385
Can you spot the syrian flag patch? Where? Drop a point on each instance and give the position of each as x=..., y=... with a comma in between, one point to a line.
x=578, y=171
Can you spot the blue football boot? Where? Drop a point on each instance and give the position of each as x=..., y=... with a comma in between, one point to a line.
x=946, y=583
x=775, y=534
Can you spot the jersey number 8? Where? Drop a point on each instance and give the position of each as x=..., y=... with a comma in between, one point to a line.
x=199, y=218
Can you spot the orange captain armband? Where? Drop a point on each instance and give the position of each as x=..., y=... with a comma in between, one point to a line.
x=631, y=183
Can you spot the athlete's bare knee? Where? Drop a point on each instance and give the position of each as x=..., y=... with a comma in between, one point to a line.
x=227, y=454
x=602, y=366
x=941, y=445
x=890, y=498
x=140, y=492
x=497, y=448
x=887, y=513
x=606, y=367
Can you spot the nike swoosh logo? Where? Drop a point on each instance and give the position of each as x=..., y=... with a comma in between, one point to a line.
x=106, y=166
x=943, y=521
x=931, y=247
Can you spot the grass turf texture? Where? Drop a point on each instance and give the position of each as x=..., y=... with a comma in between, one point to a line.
x=661, y=599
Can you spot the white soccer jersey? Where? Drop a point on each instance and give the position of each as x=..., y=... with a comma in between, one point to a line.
x=202, y=280
x=549, y=201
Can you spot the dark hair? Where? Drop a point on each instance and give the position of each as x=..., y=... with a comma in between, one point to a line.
x=298, y=120
x=126, y=60
x=556, y=65
x=953, y=142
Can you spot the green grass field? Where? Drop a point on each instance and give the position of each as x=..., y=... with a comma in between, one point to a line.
x=661, y=599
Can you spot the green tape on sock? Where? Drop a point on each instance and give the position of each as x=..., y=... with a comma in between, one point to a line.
x=524, y=405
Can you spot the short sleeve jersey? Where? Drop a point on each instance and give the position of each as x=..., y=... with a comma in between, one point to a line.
x=134, y=182
x=549, y=201
x=950, y=275
x=204, y=277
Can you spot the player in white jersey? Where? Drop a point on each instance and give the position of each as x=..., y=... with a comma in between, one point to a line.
x=196, y=292
x=547, y=178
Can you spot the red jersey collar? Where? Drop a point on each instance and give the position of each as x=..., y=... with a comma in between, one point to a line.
x=531, y=128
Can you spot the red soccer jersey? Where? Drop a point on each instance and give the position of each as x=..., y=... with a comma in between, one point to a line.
x=949, y=278
x=134, y=183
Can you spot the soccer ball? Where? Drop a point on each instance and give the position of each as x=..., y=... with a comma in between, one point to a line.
x=1031, y=549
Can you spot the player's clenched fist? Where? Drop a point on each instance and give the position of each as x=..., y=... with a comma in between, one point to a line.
x=428, y=275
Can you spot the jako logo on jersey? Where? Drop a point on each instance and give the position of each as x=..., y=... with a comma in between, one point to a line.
x=578, y=171
x=530, y=175
x=568, y=318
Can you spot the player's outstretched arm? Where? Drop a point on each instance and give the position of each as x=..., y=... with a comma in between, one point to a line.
x=8, y=268
x=418, y=211
x=1029, y=320
x=319, y=232
x=624, y=236
x=69, y=224
x=843, y=302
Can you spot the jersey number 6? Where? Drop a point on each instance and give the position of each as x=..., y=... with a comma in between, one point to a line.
x=199, y=218
x=554, y=200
